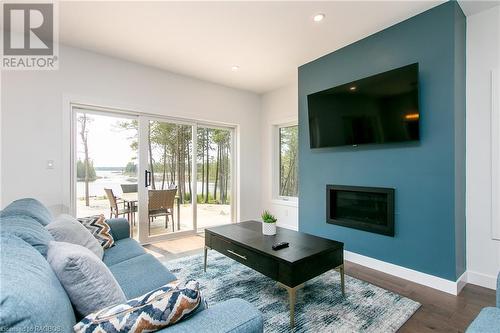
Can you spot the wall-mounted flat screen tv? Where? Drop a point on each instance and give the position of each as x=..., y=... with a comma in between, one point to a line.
x=382, y=108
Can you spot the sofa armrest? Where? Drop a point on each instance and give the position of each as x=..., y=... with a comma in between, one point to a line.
x=234, y=315
x=498, y=290
x=120, y=228
x=488, y=321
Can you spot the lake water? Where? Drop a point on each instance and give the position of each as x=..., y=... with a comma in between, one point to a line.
x=112, y=180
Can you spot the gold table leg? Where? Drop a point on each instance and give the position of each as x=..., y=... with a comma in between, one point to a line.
x=340, y=269
x=292, y=292
x=292, y=298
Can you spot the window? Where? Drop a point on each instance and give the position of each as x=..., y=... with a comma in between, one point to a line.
x=288, y=161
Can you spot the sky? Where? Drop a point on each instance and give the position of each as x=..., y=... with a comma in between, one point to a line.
x=109, y=146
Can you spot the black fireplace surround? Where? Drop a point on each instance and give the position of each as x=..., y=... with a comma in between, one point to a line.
x=365, y=208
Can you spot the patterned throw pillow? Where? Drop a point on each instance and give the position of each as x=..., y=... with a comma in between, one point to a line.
x=99, y=229
x=152, y=311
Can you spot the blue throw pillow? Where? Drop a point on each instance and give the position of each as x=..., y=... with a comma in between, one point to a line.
x=28, y=207
x=28, y=230
x=152, y=311
x=30, y=293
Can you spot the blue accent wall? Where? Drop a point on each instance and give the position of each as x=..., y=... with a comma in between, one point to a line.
x=429, y=176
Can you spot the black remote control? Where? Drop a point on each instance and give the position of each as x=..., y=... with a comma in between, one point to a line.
x=280, y=246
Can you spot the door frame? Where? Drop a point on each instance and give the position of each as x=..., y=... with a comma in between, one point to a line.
x=71, y=107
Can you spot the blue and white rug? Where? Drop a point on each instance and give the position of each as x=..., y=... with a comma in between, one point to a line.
x=320, y=306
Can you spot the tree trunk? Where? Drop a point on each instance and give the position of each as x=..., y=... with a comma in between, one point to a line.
x=221, y=174
x=164, y=173
x=87, y=200
x=151, y=161
x=228, y=171
x=202, y=166
x=223, y=187
x=216, y=172
x=208, y=167
x=189, y=169
x=172, y=168
x=291, y=166
x=84, y=137
x=179, y=188
x=182, y=161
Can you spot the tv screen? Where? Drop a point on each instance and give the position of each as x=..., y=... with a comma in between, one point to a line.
x=382, y=108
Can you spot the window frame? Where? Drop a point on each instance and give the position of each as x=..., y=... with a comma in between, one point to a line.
x=276, y=164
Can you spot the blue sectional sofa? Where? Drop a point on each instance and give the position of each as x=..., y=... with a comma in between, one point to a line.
x=488, y=320
x=32, y=299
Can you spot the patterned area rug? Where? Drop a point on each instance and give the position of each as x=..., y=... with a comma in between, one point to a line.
x=320, y=306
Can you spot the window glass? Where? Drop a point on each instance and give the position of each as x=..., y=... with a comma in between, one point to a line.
x=288, y=161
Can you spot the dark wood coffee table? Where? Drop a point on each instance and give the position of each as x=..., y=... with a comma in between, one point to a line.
x=307, y=256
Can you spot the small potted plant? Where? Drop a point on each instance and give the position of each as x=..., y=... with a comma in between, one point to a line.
x=268, y=223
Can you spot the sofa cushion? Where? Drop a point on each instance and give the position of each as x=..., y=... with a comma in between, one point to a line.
x=88, y=282
x=28, y=207
x=67, y=229
x=141, y=274
x=488, y=321
x=234, y=316
x=31, y=295
x=120, y=228
x=28, y=230
x=154, y=310
x=123, y=249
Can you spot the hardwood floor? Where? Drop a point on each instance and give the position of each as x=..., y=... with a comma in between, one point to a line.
x=440, y=312
x=176, y=248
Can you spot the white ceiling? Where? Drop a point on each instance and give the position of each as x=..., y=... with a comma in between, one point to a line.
x=267, y=40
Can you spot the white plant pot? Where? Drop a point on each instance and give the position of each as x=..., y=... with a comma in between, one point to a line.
x=269, y=228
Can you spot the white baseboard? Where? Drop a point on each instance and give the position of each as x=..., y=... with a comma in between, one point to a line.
x=462, y=281
x=428, y=280
x=483, y=280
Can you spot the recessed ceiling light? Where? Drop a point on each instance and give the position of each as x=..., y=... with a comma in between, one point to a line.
x=353, y=88
x=318, y=17
x=235, y=68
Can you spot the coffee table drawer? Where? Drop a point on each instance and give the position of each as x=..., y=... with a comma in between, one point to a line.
x=252, y=259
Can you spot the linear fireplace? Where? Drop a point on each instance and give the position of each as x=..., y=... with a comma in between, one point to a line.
x=366, y=208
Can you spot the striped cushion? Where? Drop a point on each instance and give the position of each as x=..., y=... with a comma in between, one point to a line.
x=99, y=229
x=152, y=311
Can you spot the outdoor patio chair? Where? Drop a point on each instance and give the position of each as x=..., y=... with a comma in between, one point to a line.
x=161, y=203
x=114, y=204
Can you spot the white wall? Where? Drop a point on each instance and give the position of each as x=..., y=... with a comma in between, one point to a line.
x=1, y=199
x=32, y=119
x=278, y=107
x=483, y=55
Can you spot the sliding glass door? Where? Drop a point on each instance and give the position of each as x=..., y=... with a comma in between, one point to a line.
x=214, y=176
x=169, y=178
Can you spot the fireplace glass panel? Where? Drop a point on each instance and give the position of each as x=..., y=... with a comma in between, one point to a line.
x=359, y=206
x=365, y=208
